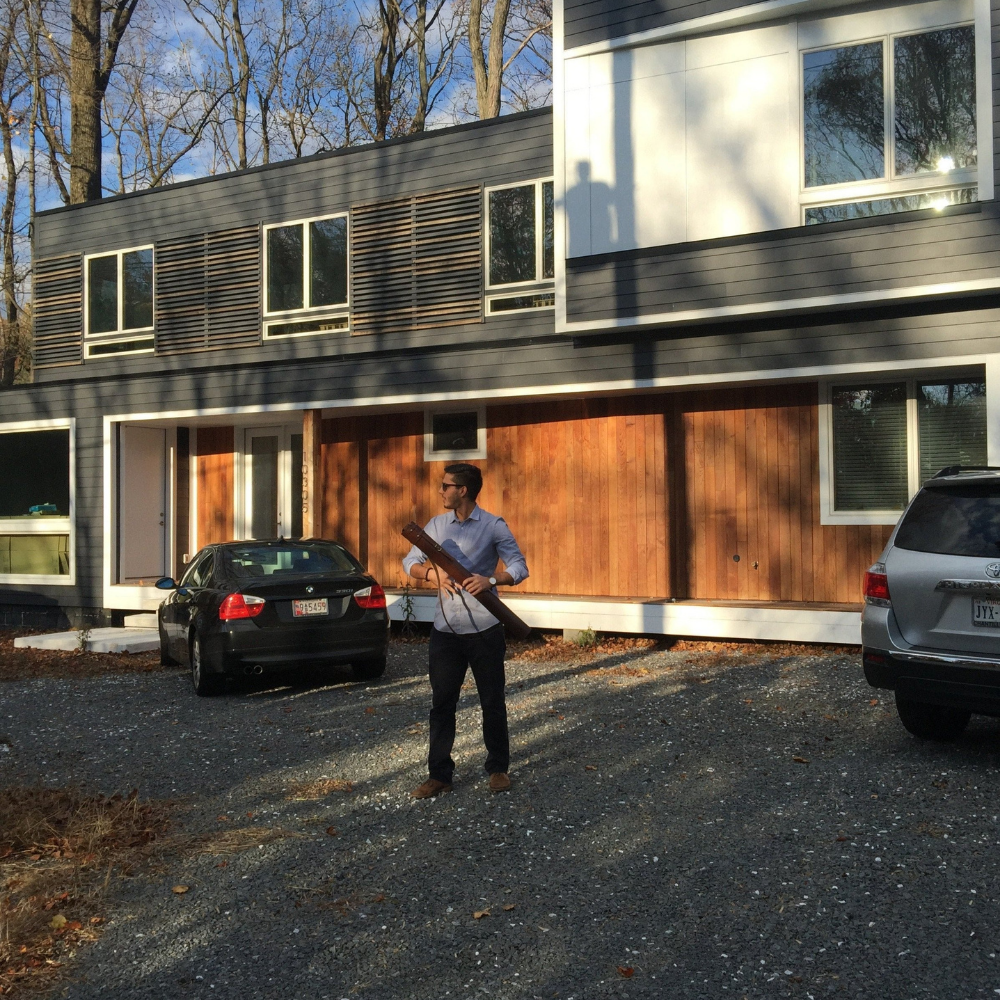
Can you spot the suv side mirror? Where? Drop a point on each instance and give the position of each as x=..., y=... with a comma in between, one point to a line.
x=165, y=583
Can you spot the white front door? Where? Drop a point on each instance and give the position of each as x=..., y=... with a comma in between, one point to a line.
x=142, y=504
x=272, y=476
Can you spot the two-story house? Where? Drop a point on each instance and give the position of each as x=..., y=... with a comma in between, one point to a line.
x=706, y=325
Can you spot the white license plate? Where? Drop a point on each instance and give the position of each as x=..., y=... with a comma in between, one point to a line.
x=319, y=606
x=985, y=613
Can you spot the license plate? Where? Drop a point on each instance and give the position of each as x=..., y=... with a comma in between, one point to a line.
x=986, y=613
x=319, y=606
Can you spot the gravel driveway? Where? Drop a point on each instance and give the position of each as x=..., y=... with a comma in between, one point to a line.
x=681, y=825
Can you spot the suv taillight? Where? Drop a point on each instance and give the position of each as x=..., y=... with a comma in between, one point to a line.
x=877, y=586
x=240, y=606
x=370, y=597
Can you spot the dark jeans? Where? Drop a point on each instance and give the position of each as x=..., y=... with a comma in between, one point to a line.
x=450, y=656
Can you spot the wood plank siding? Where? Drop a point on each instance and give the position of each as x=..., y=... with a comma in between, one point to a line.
x=643, y=496
x=751, y=489
x=215, y=465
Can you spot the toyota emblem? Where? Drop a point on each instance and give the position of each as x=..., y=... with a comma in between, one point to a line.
x=993, y=570
x=311, y=588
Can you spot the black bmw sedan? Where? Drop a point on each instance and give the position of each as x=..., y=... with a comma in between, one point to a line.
x=259, y=606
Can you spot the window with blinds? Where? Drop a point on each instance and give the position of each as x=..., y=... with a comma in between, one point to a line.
x=951, y=420
x=870, y=465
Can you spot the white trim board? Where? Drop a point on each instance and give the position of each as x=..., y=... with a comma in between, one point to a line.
x=686, y=619
x=609, y=387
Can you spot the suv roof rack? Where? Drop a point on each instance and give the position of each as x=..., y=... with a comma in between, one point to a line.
x=954, y=470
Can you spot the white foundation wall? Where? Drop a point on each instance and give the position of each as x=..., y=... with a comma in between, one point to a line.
x=680, y=619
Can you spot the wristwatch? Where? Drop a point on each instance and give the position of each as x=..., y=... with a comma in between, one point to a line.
x=493, y=581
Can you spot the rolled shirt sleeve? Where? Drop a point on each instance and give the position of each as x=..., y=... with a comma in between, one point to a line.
x=509, y=551
x=415, y=557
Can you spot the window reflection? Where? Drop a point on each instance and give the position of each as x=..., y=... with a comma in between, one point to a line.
x=102, y=294
x=284, y=268
x=935, y=100
x=137, y=289
x=512, y=235
x=844, y=114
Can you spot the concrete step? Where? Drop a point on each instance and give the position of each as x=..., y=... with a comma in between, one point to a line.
x=140, y=621
x=99, y=640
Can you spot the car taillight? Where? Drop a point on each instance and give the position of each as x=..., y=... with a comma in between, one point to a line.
x=877, y=586
x=370, y=597
x=240, y=606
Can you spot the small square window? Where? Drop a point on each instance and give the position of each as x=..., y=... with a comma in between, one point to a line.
x=455, y=435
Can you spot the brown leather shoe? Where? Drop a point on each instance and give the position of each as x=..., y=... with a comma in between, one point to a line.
x=499, y=782
x=430, y=788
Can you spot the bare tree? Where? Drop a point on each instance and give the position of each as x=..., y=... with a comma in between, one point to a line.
x=14, y=85
x=434, y=64
x=90, y=67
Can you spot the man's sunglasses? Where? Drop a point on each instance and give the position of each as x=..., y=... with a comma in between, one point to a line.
x=448, y=486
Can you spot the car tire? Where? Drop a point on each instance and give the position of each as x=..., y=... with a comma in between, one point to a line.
x=932, y=722
x=369, y=670
x=205, y=683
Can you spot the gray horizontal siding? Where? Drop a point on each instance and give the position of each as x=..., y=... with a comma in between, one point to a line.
x=589, y=21
x=551, y=362
x=814, y=261
x=495, y=152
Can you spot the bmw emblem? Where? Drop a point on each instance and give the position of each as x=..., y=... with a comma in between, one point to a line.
x=993, y=570
x=994, y=566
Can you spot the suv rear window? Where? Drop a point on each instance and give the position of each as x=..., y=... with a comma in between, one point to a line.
x=255, y=561
x=959, y=520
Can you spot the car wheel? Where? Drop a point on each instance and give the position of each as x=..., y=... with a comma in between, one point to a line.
x=166, y=660
x=367, y=670
x=204, y=683
x=932, y=722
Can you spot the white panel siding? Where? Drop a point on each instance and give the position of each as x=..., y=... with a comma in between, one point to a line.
x=686, y=140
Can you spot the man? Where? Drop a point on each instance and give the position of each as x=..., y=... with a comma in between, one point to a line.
x=465, y=634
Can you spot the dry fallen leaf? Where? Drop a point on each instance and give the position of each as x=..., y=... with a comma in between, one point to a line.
x=874, y=701
x=509, y=906
x=590, y=767
x=222, y=864
x=369, y=710
x=181, y=889
x=331, y=831
x=58, y=922
x=380, y=898
x=748, y=701
x=800, y=760
x=222, y=818
x=626, y=970
x=479, y=914
x=840, y=840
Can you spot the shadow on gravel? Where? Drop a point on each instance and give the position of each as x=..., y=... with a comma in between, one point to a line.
x=679, y=827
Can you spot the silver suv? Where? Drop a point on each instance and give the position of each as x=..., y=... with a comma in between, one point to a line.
x=930, y=630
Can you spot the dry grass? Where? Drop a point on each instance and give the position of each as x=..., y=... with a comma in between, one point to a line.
x=555, y=649
x=26, y=664
x=310, y=791
x=58, y=851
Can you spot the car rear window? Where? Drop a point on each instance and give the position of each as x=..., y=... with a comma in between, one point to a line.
x=256, y=561
x=960, y=520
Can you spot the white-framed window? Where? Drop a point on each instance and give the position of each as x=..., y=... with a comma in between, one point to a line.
x=36, y=505
x=520, y=246
x=888, y=105
x=306, y=276
x=455, y=435
x=118, y=302
x=881, y=439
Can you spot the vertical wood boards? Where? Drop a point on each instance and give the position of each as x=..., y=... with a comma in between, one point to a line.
x=215, y=466
x=751, y=471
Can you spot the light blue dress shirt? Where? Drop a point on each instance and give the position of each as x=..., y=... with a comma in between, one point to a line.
x=478, y=543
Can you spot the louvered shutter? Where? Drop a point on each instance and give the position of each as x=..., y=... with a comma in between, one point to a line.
x=208, y=291
x=58, y=311
x=417, y=262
